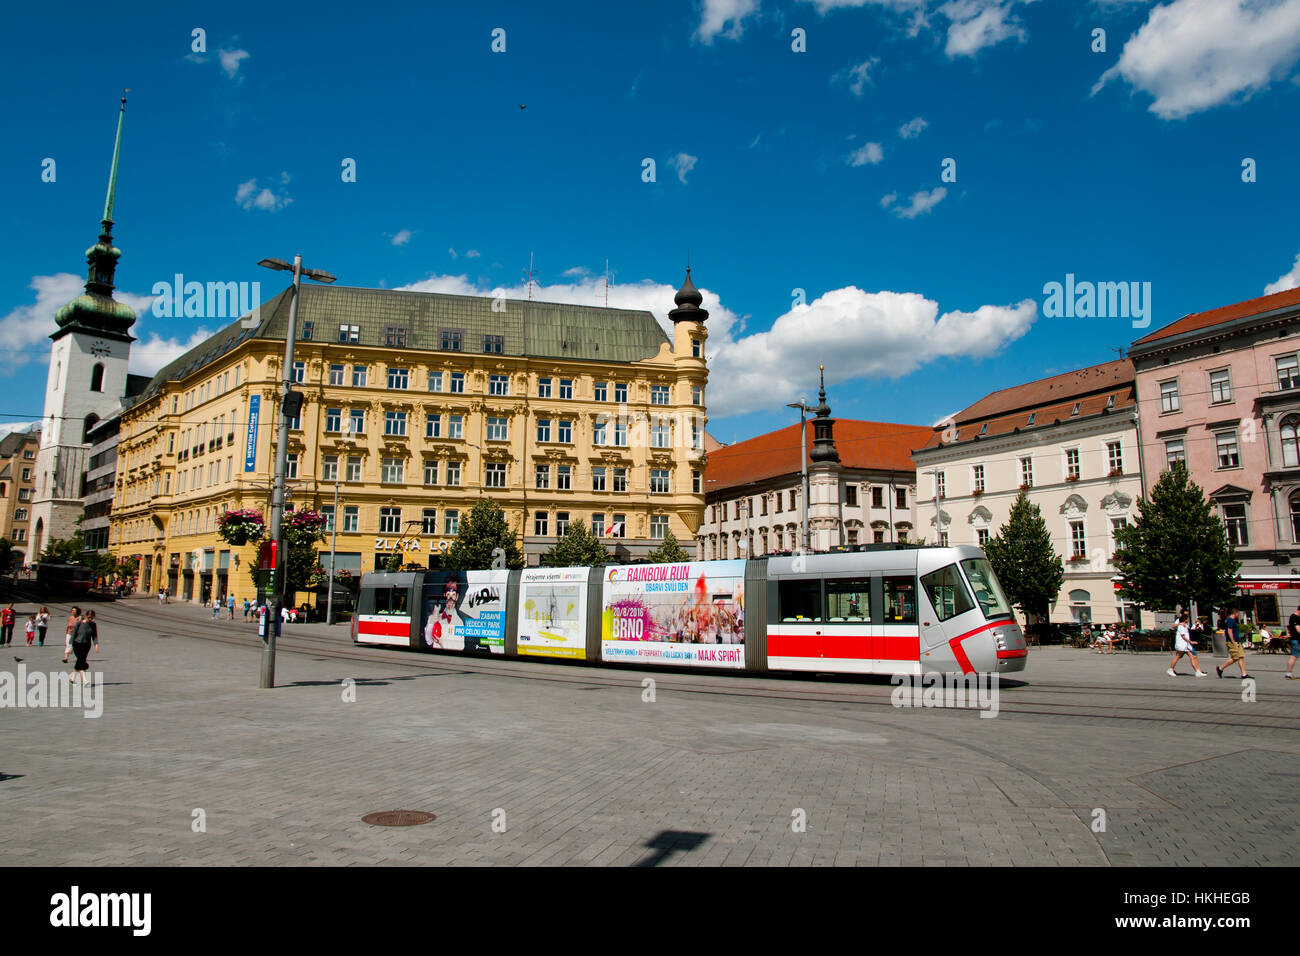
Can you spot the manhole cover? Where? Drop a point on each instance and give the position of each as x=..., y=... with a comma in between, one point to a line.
x=398, y=818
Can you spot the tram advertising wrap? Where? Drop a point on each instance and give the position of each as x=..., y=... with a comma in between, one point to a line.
x=465, y=611
x=675, y=614
x=552, y=612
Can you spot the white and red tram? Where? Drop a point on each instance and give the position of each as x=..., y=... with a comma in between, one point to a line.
x=889, y=609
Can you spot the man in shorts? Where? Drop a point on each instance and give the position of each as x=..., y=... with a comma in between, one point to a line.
x=1237, y=653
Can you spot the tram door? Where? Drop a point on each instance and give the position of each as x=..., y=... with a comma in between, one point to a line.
x=945, y=602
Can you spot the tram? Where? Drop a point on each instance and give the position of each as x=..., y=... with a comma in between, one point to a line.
x=64, y=579
x=886, y=609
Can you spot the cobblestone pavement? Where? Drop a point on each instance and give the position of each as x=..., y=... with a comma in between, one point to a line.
x=578, y=769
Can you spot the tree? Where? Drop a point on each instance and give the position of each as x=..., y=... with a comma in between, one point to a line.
x=578, y=548
x=63, y=551
x=6, y=556
x=1022, y=556
x=1177, y=550
x=670, y=552
x=484, y=538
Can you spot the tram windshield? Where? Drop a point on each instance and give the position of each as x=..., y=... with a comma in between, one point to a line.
x=988, y=593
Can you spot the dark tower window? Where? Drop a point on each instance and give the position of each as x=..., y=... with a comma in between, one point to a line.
x=90, y=422
x=97, y=377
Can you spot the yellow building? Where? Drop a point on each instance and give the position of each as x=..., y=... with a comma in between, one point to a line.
x=416, y=406
x=17, y=486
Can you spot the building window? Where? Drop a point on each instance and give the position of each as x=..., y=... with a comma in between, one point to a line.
x=877, y=498
x=354, y=468
x=495, y=475
x=1220, y=387
x=943, y=539
x=429, y=521
x=351, y=518
x=498, y=385
x=498, y=429
x=977, y=478
x=543, y=388
x=540, y=524
x=336, y=375
x=1078, y=543
x=97, y=377
x=878, y=536
x=390, y=520
x=660, y=434
x=617, y=526
x=601, y=393
x=561, y=523
x=981, y=536
x=566, y=432
x=358, y=376
x=1026, y=472
x=1072, y=464
x=1288, y=372
x=620, y=434
x=451, y=521
x=543, y=477
x=1169, y=397
x=1225, y=444
x=658, y=394
x=620, y=392
x=598, y=479
x=543, y=429
x=394, y=423
x=291, y=461
x=328, y=512
x=1080, y=607
x=1175, y=450
x=457, y=383
x=299, y=372
x=333, y=419
x=1115, y=457
x=697, y=395
x=455, y=426
x=1115, y=525
x=1290, y=449
x=850, y=498
x=308, y=331
x=658, y=481
x=399, y=378
x=494, y=344
x=391, y=471
x=697, y=482
x=563, y=477
x=357, y=421
x=659, y=527
x=566, y=388
x=349, y=333
x=453, y=474
x=697, y=348
x=620, y=481
x=450, y=340
x=1235, y=521
x=20, y=514
x=793, y=504
x=435, y=381
x=295, y=423
x=900, y=498
x=430, y=471
x=941, y=480
x=432, y=426
x=598, y=434
x=598, y=524
x=1295, y=517
x=330, y=468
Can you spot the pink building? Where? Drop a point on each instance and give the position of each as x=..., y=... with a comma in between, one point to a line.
x=1221, y=391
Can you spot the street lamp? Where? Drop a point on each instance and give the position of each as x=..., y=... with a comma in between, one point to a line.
x=804, y=409
x=282, y=458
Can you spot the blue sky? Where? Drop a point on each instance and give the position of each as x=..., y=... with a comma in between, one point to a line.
x=777, y=170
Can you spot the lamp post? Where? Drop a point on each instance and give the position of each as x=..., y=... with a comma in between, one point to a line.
x=802, y=405
x=334, y=538
x=282, y=459
x=938, y=515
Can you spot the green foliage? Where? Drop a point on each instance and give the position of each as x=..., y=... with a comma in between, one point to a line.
x=64, y=551
x=1022, y=556
x=6, y=556
x=1177, y=550
x=302, y=559
x=483, y=540
x=577, y=549
x=670, y=552
x=393, y=562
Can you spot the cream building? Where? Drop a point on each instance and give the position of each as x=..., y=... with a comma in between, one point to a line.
x=416, y=406
x=1071, y=442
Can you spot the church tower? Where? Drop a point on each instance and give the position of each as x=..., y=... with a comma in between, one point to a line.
x=87, y=379
x=825, y=514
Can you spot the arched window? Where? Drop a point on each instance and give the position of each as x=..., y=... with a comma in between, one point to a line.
x=1290, y=447
x=90, y=422
x=1295, y=517
x=1080, y=606
x=97, y=377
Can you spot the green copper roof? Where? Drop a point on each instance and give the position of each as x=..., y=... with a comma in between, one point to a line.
x=418, y=319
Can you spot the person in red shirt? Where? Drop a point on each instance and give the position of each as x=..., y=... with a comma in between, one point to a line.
x=7, y=618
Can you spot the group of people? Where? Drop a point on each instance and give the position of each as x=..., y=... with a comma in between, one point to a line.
x=35, y=627
x=1103, y=639
x=80, y=634
x=1230, y=625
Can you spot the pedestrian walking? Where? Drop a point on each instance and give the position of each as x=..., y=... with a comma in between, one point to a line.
x=160, y=596
x=230, y=605
x=30, y=627
x=247, y=605
x=1293, y=632
x=42, y=624
x=87, y=634
x=73, y=619
x=1237, y=653
x=7, y=618
x=216, y=607
x=1183, y=644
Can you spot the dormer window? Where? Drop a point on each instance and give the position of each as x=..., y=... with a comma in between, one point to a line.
x=1032, y=416
x=1110, y=402
x=984, y=428
x=1074, y=411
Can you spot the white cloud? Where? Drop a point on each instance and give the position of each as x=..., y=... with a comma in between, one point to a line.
x=912, y=128
x=1192, y=55
x=858, y=77
x=230, y=60
x=976, y=24
x=868, y=153
x=8, y=428
x=683, y=163
x=25, y=331
x=402, y=238
x=575, y=272
x=887, y=200
x=153, y=351
x=472, y=254
x=716, y=14
x=920, y=203
x=1288, y=280
x=247, y=196
x=871, y=335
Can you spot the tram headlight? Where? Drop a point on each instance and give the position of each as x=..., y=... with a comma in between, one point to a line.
x=1001, y=638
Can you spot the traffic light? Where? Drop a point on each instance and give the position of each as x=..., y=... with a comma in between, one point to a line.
x=293, y=403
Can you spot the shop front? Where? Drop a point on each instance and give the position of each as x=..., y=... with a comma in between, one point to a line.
x=1268, y=599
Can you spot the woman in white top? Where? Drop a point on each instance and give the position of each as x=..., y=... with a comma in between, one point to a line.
x=1183, y=645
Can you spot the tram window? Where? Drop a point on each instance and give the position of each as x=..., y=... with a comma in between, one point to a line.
x=947, y=592
x=848, y=600
x=900, y=600
x=800, y=601
x=390, y=600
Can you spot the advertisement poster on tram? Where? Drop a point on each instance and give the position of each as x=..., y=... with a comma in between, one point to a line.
x=465, y=611
x=552, y=612
x=690, y=614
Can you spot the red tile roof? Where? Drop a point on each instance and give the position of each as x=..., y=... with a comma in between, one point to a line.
x=1224, y=314
x=1047, y=399
x=865, y=445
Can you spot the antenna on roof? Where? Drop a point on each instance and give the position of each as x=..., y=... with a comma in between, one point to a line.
x=1119, y=351
x=607, y=283
x=530, y=277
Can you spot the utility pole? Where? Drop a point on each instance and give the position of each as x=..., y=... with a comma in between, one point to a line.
x=334, y=538
x=802, y=405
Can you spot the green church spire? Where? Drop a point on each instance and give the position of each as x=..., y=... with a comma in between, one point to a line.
x=112, y=173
